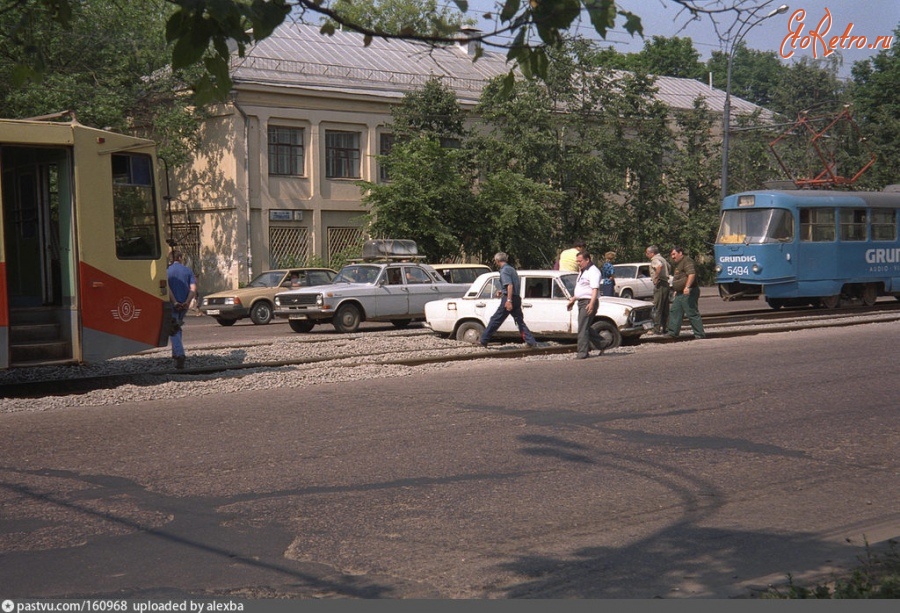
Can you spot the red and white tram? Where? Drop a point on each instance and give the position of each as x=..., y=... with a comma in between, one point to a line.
x=82, y=255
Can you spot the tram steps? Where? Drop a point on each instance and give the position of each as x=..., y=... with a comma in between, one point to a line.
x=35, y=335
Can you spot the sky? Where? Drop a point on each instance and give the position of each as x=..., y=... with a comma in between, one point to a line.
x=869, y=18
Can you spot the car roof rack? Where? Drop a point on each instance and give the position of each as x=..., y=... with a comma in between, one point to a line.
x=389, y=250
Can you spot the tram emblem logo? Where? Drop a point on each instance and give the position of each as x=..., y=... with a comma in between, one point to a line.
x=125, y=311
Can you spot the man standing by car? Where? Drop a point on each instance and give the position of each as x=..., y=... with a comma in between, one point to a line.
x=659, y=274
x=687, y=295
x=587, y=289
x=510, y=303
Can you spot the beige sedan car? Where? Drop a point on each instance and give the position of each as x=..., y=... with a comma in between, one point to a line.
x=257, y=298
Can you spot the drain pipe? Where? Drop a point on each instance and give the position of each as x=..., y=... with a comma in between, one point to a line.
x=246, y=182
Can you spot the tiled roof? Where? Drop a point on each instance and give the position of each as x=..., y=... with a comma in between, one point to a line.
x=298, y=55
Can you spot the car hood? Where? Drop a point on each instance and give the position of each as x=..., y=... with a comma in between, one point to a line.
x=634, y=304
x=608, y=300
x=243, y=292
x=338, y=289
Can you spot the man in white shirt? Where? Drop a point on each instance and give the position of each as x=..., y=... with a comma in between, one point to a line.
x=587, y=290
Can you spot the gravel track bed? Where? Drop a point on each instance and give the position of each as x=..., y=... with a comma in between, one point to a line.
x=350, y=357
x=347, y=358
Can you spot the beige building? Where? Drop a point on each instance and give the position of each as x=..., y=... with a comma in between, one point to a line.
x=308, y=114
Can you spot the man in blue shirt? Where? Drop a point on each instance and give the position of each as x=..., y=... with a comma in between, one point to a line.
x=510, y=303
x=182, y=289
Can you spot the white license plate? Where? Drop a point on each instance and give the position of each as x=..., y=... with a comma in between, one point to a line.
x=213, y=312
x=298, y=317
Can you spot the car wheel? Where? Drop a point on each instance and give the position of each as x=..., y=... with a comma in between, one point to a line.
x=470, y=332
x=261, y=313
x=301, y=325
x=400, y=323
x=627, y=293
x=611, y=336
x=347, y=318
x=225, y=322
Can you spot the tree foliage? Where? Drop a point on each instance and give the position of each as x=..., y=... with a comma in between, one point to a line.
x=402, y=16
x=877, y=110
x=107, y=63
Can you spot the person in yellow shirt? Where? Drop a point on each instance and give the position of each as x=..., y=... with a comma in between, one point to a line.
x=567, y=257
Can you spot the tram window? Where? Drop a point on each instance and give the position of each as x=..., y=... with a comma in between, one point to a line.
x=756, y=226
x=853, y=224
x=884, y=225
x=134, y=208
x=817, y=225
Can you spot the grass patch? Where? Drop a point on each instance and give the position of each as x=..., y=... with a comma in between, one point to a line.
x=877, y=576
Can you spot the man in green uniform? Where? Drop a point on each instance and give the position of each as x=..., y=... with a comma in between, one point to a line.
x=687, y=295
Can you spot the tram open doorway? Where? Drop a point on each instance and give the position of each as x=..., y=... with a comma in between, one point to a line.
x=39, y=253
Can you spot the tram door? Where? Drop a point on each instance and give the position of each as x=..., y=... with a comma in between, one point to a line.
x=39, y=245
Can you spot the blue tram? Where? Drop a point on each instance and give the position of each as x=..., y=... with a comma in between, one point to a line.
x=811, y=247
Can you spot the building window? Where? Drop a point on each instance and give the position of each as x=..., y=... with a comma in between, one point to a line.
x=817, y=225
x=853, y=224
x=285, y=151
x=342, y=155
x=385, y=144
x=288, y=246
x=134, y=207
x=884, y=225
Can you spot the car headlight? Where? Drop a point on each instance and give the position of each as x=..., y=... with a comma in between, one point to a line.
x=277, y=301
x=319, y=300
x=205, y=301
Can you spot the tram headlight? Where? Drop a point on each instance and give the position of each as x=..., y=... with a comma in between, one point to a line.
x=718, y=269
x=756, y=268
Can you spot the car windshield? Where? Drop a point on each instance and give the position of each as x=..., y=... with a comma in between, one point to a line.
x=756, y=226
x=358, y=273
x=625, y=272
x=569, y=282
x=270, y=278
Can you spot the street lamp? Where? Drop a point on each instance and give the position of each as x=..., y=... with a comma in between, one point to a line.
x=726, y=117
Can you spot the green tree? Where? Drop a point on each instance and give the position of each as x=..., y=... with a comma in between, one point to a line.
x=402, y=16
x=754, y=74
x=664, y=56
x=108, y=65
x=429, y=197
x=877, y=110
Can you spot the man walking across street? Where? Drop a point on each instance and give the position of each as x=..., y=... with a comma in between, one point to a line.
x=587, y=290
x=659, y=274
x=687, y=295
x=510, y=303
x=182, y=289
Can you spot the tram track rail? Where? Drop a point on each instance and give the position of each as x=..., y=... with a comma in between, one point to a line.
x=718, y=326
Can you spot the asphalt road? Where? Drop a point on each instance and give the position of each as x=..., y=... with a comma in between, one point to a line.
x=699, y=469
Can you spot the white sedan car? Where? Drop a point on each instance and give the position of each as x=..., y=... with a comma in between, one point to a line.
x=545, y=294
x=633, y=280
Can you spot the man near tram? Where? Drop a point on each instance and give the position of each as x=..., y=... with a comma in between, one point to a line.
x=685, y=302
x=659, y=275
x=182, y=289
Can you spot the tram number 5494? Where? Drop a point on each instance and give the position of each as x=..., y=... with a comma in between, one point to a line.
x=737, y=271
